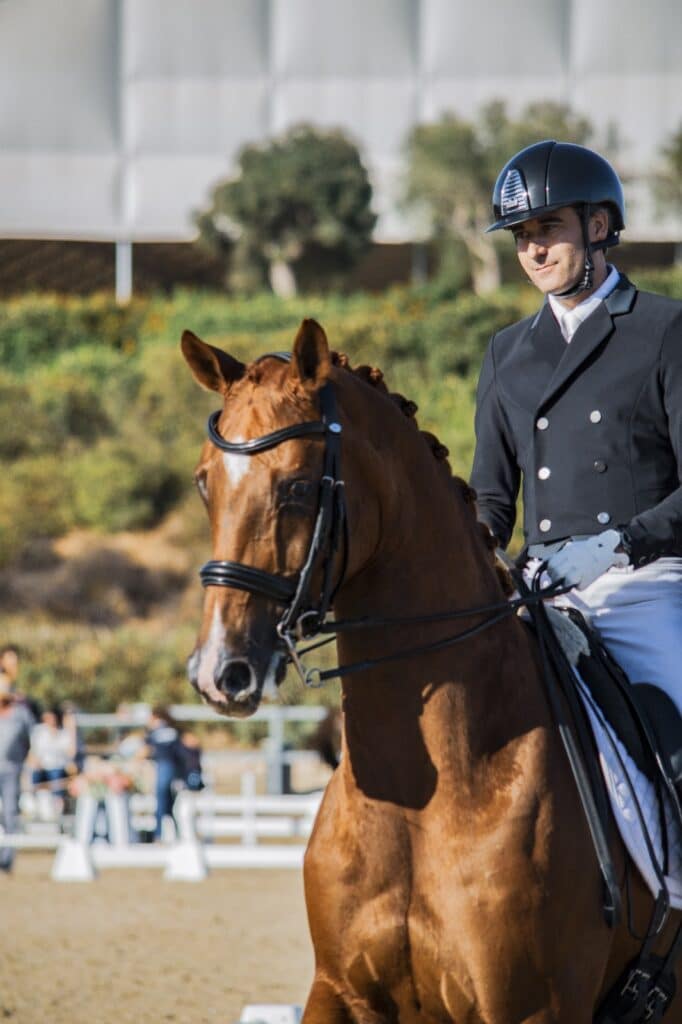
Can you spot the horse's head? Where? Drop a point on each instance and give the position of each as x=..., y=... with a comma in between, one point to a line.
x=264, y=503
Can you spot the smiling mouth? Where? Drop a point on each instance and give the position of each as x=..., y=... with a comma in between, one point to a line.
x=544, y=267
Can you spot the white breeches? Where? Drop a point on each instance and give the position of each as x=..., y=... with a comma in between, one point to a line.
x=638, y=616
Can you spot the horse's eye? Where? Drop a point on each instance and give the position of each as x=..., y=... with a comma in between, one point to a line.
x=299, y=490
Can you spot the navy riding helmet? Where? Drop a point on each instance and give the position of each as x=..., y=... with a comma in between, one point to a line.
x=551, y=174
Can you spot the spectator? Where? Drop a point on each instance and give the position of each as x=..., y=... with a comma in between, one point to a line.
x=132, y=745
x=53, y=751
x=9, y=667
x=69, y=712
x=162, y=745
x=191, y=753
x=16, y=722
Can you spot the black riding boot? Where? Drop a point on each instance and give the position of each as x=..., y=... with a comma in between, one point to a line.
x=666, y=725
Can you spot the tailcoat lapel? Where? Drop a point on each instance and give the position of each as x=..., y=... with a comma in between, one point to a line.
x=549, y=345
x=589, y=337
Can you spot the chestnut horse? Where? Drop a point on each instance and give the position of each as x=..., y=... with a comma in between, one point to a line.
x=450, y=876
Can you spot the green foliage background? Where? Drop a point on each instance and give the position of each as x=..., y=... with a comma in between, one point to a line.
x=102, y=423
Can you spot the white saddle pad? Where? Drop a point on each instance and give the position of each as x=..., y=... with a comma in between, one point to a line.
x=636, y=808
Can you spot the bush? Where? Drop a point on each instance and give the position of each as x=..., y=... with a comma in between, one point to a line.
x=20, y=427
x=35, y=502
x=70, y=408
x=119, y=486
x=34, y=328
x=99, y=668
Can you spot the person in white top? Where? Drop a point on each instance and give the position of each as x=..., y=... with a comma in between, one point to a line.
x=53, y=750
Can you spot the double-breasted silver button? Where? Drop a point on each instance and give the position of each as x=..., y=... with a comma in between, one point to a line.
x=545, y=525
x=595, y=416
x=599, y=465
x=542, y=423
x=544, y=472
x=603, y=518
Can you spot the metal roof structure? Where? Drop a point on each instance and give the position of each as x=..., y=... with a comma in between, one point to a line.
x=117, y=116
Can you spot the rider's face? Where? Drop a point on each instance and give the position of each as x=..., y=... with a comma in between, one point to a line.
x=550, y=248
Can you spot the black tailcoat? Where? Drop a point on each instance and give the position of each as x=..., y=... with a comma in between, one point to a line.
x=594, y=427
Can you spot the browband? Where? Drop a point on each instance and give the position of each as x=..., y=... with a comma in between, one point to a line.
x=262, y=444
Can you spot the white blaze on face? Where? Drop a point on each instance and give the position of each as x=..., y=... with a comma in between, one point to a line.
x=236, y=466
x=210, y=652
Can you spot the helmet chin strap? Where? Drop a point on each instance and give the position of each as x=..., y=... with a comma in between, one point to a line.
x=585, y=282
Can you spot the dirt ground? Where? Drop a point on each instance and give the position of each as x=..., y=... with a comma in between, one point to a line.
x=130, y=947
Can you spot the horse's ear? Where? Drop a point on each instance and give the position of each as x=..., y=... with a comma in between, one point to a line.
x=311, y=361
x=211, y=367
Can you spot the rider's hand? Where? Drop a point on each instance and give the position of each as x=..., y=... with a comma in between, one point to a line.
x=581, y=562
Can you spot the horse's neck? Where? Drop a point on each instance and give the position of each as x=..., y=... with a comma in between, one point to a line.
x=419, y=719
x=431, y=558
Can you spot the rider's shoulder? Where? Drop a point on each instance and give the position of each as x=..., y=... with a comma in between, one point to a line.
x=664, y=307
x=512, y=332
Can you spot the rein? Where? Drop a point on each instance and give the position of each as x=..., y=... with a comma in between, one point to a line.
x=501, y=610
x=303, y=616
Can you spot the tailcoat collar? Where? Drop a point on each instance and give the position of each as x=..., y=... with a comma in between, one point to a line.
x=591, y=334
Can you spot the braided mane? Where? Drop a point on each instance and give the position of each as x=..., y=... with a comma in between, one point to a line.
x=373, y=376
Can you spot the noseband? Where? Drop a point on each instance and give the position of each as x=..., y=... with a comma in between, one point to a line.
x=303, y=615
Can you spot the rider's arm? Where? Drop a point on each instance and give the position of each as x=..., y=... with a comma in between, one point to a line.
x=658, y=530
x=495, y=475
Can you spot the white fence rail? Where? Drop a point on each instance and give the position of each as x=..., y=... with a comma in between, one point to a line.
x=200, y=818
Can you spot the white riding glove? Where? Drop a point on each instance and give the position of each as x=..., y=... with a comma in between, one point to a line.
x=581, y=562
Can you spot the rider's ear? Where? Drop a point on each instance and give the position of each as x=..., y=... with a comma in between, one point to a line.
x=599, y=224
x=211, y=367
x=311, y=362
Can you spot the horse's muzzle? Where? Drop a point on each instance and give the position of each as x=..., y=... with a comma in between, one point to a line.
x=233, y=683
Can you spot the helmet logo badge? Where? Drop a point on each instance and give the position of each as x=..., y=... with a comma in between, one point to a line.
x=514, y=196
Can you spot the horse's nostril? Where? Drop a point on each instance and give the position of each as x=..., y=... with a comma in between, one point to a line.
x=235, y=678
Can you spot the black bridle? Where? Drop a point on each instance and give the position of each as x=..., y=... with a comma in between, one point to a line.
x=304, y=613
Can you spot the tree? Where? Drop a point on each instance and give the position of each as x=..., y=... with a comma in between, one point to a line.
x=453, y=165
x=301, y=200
x=667, y=182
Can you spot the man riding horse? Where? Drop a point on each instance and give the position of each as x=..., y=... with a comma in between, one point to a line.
x=452, y=874
x=583, y=401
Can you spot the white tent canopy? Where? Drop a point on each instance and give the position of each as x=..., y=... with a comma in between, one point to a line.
x=117, y=116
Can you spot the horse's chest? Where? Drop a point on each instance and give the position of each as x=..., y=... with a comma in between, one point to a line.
x=412, y=906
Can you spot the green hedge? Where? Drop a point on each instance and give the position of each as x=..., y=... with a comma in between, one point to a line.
x=36, y=327
x=102, y=422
